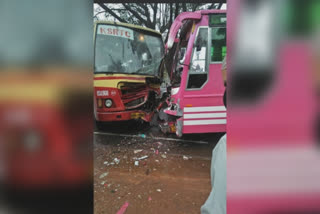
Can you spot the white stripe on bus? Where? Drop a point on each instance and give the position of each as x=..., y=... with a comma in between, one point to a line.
x=204, y=122
x=205, y=115
x=205, y=108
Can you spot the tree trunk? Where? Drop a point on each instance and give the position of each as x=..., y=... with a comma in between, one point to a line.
x=171, y=13
x=155, y=11
x=184, y=7
x=176, y=13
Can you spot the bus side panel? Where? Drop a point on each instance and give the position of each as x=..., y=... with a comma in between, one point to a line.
x=207, y=112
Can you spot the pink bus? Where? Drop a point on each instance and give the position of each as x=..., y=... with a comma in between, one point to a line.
x=195, y=49
x=273, y=159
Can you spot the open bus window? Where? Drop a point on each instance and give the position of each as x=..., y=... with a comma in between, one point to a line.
x=302, y=17
x=198, y=73
x=218, y=44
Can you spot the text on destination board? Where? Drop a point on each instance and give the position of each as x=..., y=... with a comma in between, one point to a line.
x=115, y=31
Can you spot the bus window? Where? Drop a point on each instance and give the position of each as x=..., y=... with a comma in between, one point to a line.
x=198, y=73
x=218, y=44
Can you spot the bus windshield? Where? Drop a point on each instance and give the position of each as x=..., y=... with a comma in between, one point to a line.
x=120, y=49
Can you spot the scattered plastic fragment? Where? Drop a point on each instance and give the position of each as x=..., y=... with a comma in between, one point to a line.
x=106, y=163
x=137, y=151
x=123, y=208
x=103, y=182
x=185, y=157
x=103, y=175
x=158, y=190
x=149, y=199
x=136, y=163
x=157, y=161
x=117, y=161
x=163, y=156
x=142, y=158
x=142, y=135
x=157, y=152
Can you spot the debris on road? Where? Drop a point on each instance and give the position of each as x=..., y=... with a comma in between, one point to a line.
x=142, y=135
x=150, y=168
x=103, y=175
x=117, y=161
x=142, y=158
x=123, y=208
x=137, y=151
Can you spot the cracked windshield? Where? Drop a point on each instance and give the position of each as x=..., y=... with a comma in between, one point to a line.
x=123, y=50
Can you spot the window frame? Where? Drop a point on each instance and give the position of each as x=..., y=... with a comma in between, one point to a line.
x=207, y=63
x=210, y=43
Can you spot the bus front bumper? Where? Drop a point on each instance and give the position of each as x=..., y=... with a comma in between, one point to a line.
x=124, y=115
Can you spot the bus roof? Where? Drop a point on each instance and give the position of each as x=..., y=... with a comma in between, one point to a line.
x=128, y=25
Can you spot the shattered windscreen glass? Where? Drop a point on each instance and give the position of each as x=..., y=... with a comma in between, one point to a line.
x=120, y=49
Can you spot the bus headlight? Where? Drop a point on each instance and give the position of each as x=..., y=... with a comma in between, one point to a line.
x=108, y=103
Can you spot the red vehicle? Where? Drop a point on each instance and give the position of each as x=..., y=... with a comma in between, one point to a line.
x=126, y=74
x=45, y=128
x=196, y=48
